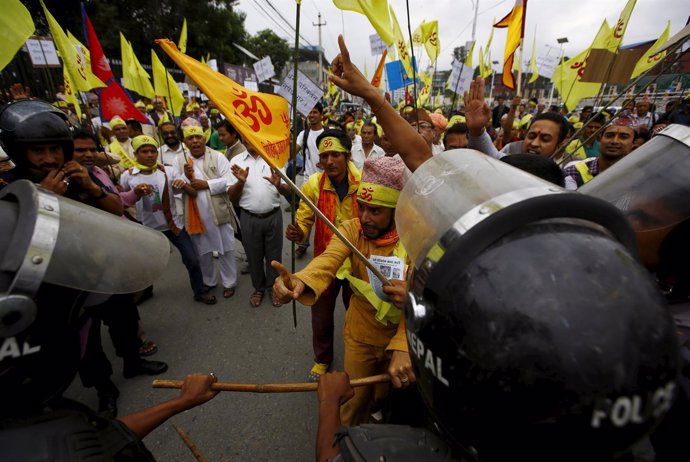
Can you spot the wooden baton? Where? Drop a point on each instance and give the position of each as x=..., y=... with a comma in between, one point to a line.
x=272, y=387
x=190, y=444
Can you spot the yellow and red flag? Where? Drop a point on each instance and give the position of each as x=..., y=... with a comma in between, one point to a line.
x=567, y=77
x=263, y=120
x=401, y=46
x=651, y=58
x=515, y=22
x=81, y=76
x=618, y=31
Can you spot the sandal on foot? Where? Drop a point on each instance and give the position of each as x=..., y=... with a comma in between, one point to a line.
x=206, y=299
x=228, y=292
x=317, y=370
x=147, y=348
x=256, y=298
x=208, y=289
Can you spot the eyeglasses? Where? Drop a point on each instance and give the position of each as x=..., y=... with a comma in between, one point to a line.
x=426, y=125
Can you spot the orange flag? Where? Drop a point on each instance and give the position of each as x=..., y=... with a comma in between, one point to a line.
x=376, y=79
x=515, y=22
x=262, y=119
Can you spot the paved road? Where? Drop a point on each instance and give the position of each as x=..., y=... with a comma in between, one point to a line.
x=239, y=344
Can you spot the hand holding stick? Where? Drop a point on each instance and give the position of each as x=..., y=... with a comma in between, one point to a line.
x=273, y=388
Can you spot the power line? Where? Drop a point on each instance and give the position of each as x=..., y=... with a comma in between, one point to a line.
x=265, y=13
x=270, y=4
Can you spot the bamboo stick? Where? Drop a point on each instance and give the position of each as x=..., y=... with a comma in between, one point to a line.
x=190, y=444
x=272, y=387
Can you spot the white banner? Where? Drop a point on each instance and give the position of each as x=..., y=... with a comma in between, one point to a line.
x=42, y=52
x=251, y=85
x=461, y=77
x=213, y=64
x=264, y=69
x=546, y=65
x=308, y=93
x=377, y=45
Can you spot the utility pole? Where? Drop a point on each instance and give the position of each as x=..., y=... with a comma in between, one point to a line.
x=319, y=24
x=474, y=22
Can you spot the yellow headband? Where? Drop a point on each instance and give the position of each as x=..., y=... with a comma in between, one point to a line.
x=376, y=194
x=192, y=131
x=143, y=140
x=117, y=121
x=331, y=143
x=350, y=125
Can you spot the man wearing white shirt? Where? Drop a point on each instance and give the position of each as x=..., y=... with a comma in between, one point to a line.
x=169, y=151
x=256, y=188
x=209, y=217
x=149, y=187
x=367, y=149
x=306, y=142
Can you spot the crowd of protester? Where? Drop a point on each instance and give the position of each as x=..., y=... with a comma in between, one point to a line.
x=193, y=178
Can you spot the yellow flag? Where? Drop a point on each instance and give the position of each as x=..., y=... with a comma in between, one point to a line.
x=468, y=61
x=182, y=44
x=337, y=99
x=16, y=26
x=401, y=46
x=418, y=35
x=377, y=13
x=613, y=41
x=488, y=65
x=70, y=96
x=566, y=77
x=262, y=119
x=432, y=45
x=533, y=61
x=83, y=49
x=164, y=85
x=515, y=22
x=651, y=58
x=134, y=75
x=81, y=76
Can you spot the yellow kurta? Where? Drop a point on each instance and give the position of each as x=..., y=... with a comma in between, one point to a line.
x=360, y=320
x=344, y=210
x=368, y=342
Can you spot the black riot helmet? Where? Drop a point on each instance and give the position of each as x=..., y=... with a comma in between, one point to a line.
x=32, y=121
x=51, y=266
x=534, y=332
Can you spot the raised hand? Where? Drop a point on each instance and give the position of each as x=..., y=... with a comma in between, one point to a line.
x=477, y=112
x=346, y=75
x=240, y=173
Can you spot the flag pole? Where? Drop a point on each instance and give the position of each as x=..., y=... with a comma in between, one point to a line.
x=519, y=76
x=293, y=146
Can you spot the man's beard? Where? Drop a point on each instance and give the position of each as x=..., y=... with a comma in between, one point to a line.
x=170, y=142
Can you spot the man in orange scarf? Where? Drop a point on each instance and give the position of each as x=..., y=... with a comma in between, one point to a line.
x=334, y=191
x=374, y=332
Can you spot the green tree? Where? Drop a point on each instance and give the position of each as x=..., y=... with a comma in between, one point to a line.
x=267, y=43
x=212, y=25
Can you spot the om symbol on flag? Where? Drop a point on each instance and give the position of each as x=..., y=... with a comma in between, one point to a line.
x=253, y=111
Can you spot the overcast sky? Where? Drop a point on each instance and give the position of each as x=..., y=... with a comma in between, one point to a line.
x=578, y=20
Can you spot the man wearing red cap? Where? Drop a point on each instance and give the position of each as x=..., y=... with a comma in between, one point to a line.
x=616, y=143
x=374, y=332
